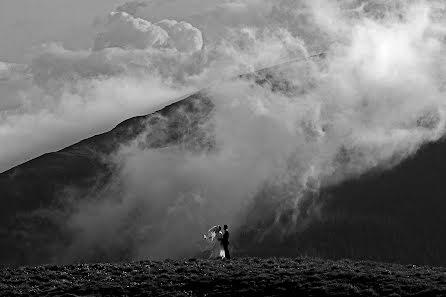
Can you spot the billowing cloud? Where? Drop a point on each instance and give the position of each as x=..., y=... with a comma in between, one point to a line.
x=183, y=36
x=127, y=32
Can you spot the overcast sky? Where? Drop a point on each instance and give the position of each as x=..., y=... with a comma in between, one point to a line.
x=24, y=23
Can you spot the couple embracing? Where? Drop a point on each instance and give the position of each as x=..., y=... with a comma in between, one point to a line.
x=220, y=242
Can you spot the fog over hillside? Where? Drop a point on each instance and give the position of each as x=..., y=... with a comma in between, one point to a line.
x=360, y=86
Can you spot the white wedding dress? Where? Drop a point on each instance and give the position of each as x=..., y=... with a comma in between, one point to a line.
x=214, y=237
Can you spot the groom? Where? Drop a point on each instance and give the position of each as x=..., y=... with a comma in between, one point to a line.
x=225, y=241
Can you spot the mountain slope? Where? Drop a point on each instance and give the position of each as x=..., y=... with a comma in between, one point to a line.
x=37, y=185
x=398, y=215
x=31, y=210
x=395, y=215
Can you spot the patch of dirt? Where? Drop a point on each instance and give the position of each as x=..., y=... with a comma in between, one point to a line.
x=240, y=277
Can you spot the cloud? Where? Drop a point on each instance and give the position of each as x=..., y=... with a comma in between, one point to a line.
x=58, y=88
x=11, y=71
x=184, y=37
x=124, y=31
x=213, y=17
x=51, y=112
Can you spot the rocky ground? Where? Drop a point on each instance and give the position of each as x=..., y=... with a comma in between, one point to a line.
x=239, y=277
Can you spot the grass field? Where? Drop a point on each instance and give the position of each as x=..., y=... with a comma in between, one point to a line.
x=239, y=277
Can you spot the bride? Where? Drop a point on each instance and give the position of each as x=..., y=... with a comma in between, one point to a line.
x=214, y=237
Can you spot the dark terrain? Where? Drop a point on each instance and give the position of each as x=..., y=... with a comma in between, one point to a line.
x=239, y=277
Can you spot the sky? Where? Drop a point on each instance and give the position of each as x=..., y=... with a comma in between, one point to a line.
x=27, y=23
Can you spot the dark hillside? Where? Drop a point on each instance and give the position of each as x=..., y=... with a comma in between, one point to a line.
x=401, y=212
x=28, y=190
x=398, y=215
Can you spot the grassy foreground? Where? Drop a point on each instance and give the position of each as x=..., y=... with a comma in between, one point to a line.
x=239, y=277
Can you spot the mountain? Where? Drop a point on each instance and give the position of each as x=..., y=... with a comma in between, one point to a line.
x=396, y=215
x=35, y=186
x=31, y=209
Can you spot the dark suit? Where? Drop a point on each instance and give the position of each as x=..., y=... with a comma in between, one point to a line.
x=225, y=243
